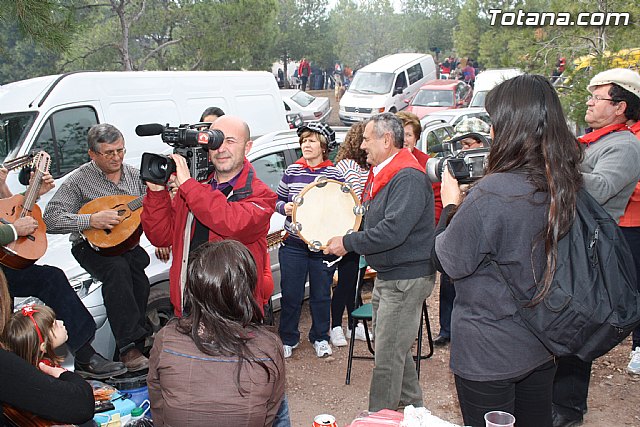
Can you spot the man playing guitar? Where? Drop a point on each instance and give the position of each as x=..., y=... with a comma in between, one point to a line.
x=125, y=286
x=50, y=285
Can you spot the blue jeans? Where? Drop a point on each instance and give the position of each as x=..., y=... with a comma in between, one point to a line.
x=282, y=417
x=344, y=293
x=296, y=261
x=447, y=295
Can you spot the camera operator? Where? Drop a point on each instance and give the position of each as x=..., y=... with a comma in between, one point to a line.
x=232, y=204
x=471, y=125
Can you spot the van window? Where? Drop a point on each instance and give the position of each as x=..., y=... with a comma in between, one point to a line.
x=367, y=82
x=64, y=137
x=401, y=82
x=415, y=73
x=270, y=168
x=13, y=130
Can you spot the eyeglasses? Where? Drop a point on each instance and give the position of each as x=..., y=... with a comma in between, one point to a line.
x=112, y=153
x=597, y=98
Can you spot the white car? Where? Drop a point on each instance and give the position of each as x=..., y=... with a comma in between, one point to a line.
x=312, y=109
x=453, y=117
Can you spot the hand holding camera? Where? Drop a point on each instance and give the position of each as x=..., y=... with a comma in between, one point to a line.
x=450, y=190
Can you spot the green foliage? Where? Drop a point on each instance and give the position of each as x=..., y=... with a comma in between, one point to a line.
x=48, y=23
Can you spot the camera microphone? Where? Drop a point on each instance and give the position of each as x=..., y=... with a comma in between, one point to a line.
x=149, y=129
x=438, y=148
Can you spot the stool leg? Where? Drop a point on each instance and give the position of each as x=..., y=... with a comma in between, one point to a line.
x=351, y=343
x=429, y=336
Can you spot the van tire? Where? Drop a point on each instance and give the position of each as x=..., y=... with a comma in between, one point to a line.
x=393, y=110
x=159, y=308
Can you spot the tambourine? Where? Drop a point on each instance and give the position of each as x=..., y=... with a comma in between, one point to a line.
x=324, y=209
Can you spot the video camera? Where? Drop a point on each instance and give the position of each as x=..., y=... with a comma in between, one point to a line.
x=466, y=166
x=192, y=142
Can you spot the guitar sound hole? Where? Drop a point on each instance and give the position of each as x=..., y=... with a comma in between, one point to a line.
x=107, y=231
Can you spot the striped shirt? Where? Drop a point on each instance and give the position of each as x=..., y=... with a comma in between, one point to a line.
x=88, y=182
x=354, y=175
x=295, y=178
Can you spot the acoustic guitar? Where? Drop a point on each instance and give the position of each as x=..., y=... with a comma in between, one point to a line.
x=123, y=236
x=27, y=249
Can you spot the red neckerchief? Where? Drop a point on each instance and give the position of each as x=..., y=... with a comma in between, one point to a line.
x=404, y=159
x=595, y=135
x=302, y=161
x=635, y=128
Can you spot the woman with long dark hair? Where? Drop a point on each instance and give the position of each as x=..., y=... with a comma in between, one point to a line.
x=515, y=216
x=218, y=365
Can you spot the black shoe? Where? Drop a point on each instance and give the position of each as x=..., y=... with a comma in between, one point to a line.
x=441, y=341
x=560, y=420
x=99, y=368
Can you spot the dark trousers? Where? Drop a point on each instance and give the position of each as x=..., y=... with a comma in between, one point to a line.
x=632, y=235
x=125, y=290
x=304, y=80
x=296, y=261
x=344, y=294
x=50, y=285
x=447, y=295
x=571, y=387
x=527, y=397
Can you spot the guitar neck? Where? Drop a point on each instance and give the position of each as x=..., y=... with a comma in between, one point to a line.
x=135, y=204
x=31, y=195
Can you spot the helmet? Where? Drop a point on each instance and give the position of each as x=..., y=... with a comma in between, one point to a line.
x=323, y=129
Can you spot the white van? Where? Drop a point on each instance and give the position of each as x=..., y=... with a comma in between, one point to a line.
x=487, y=80
x=384, y=85
x=54, y=113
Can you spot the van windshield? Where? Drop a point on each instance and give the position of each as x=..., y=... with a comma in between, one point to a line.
x=478, y=99
x=434, y=98
x=377, y=83
x=13, y=130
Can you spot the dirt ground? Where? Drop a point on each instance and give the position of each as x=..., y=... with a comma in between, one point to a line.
x=316, y=386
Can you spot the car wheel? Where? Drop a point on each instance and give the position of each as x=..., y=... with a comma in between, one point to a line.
x=393, y=110
x=159, y=308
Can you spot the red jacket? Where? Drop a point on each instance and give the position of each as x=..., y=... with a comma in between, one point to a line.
x=245, y=216
x=631, y=217
x=437, y=199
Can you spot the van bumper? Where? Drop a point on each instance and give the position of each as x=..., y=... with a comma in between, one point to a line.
x=349, y=119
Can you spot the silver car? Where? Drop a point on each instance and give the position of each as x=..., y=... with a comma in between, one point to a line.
x=311, y=108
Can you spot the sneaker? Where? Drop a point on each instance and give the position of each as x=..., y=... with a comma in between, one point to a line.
x=634, y=364
x=288, y=350
x=323, y=349
x=337, y=337
x=360, y=335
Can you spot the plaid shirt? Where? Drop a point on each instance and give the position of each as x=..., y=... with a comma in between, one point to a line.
x=88, y=182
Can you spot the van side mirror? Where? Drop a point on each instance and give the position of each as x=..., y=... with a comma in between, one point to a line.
x=397, y=91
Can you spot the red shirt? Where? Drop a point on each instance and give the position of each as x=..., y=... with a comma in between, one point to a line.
x=631, y=217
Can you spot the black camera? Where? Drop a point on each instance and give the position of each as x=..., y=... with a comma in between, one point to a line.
x=466, y=166
x=192, y=142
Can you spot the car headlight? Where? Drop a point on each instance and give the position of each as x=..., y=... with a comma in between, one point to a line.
x=342, y=108
x=83, y=284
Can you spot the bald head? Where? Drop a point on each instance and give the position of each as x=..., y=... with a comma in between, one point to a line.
x=228, y=160
x=234, y=124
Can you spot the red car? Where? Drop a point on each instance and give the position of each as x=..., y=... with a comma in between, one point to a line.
x=440, y=95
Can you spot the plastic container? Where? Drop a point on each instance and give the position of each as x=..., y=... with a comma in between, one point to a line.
x=138, y=419
x=134, y=384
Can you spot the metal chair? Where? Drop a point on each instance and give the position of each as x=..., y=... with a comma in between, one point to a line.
x=364, y=313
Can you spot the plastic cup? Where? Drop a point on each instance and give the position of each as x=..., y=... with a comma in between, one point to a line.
x=499, y=419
